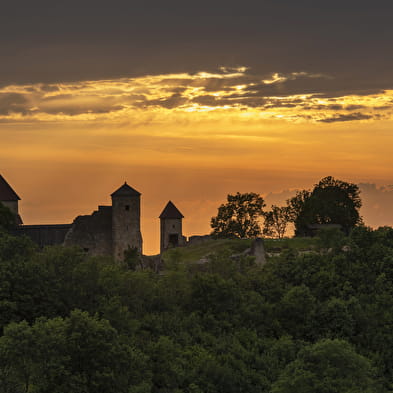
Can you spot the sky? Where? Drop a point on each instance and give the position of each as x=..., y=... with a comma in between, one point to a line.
x=191, y=101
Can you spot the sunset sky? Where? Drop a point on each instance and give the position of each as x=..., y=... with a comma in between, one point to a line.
x=190, y=101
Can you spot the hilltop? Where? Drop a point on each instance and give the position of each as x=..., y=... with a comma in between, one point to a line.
x=195, y=252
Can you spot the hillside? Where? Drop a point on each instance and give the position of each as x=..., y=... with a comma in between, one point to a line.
x=302, y=322
x=194, y=253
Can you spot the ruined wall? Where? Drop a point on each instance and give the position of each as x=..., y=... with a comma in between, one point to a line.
x=92, y=233
x=169, y=227
x=44, y=235
x=126, y=225
x=199, y=239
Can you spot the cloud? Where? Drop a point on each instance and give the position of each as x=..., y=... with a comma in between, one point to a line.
x=13, y=103
x=283, y=96
x=346, y=117
x=174, y=101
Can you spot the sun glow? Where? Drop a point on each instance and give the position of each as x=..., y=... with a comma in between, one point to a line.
x=188, y=137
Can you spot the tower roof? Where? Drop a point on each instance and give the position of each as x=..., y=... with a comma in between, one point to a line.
x=6, y=191
x=125, y=190
x=171, y=211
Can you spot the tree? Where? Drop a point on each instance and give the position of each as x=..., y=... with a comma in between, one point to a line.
x=132, y=258
x=331, y=201
x=7, y=218
x=276, y=221
x=76, y=354
x=238, y=218
x=329, y=366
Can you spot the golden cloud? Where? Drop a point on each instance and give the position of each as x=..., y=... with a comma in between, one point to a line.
x=295, y=97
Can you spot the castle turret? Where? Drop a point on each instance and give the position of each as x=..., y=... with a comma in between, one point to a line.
x=126, y=221
x=9, y=198
x=171, y=227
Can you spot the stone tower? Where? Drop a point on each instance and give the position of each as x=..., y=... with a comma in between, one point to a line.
x=171, y=227
x=9, y=198
x=126, y=221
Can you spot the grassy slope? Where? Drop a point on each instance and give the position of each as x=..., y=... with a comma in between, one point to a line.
x=195, y=252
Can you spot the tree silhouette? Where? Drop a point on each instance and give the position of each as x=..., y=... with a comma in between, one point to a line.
x=238, y=218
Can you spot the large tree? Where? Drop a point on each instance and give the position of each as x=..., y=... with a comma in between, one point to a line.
x=276, y=221
x=328, y=366
x=239, y=217
x=7, y=218
x=331, y=201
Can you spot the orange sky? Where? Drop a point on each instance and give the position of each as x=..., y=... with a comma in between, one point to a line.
x=191, y=138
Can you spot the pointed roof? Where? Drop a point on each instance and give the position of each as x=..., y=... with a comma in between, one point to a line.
x=171, y=211
x=6, y=191
x=125, y=190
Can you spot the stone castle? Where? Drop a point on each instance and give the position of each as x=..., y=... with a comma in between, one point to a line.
x=110, y=230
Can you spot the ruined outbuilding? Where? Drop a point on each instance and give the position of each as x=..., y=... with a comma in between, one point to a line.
x=171, y=228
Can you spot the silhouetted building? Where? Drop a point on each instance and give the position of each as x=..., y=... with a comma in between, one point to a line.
x=9, y=198
x=110, y=230
x=44, y=235
x=171, y=228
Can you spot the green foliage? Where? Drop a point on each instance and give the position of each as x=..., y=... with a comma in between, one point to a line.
x=330, y=239
x=132, y=258
x=238, y=218
x=303, y=322
x=193, y=253
x=329, y=366
x=75, y=354
x=7, y=218
x=331, y=201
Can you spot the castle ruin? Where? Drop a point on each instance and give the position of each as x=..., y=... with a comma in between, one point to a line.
x=110, y=230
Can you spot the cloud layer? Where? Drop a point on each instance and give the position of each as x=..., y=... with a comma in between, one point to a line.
x=294, y=97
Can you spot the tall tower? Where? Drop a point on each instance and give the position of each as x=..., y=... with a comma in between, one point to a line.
x=126, y=221
x=171, y=227
x=9, y=198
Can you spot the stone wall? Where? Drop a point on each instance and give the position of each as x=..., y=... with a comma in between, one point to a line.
x=92, y=233
x=44, y=235
x=199, y=239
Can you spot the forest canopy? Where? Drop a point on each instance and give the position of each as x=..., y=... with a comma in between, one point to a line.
x=74, y=323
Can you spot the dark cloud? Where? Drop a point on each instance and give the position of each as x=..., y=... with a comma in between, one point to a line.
x=173, y=101
x=50, y=41
x=71, y=105
x=13, y=103
x=319, y=86
x=354, y=107
x=383, y=107
x=49, y=88
x=347, y=117
x=338, y=91
x=74, y=110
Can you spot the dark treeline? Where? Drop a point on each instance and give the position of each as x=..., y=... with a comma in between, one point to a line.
x=318, y=322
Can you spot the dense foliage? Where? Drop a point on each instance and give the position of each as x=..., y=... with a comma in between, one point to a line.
x=239, y=217
x=276, y=221
x=7, y=218
x=314, y=322
x=331, y=201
